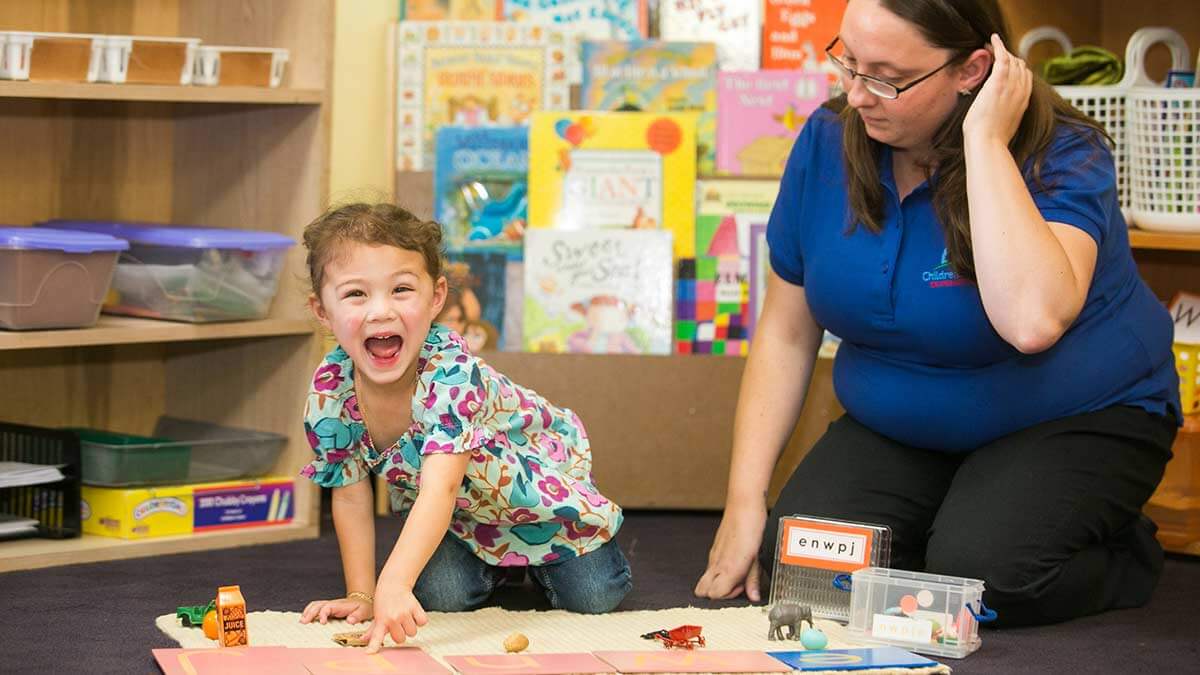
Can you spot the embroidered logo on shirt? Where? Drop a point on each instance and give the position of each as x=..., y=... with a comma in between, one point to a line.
x=943, y=274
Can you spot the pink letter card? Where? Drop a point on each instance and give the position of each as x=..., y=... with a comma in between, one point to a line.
x=529, y=664
x=342, y=661
x=698, y=661
x=229, y=661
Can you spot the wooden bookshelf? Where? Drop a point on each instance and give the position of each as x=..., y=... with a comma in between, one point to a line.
x=147, y=92
x=1164, y=241
x=217, y=157
x=121, y=330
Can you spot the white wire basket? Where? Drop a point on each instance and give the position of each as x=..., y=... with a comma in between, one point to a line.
x=1108, y=104
x=1164, y=167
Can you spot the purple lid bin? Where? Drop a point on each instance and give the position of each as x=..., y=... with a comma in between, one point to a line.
x=48, y=239
x=150, y=234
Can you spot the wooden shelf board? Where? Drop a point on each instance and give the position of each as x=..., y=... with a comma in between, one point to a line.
x=24, y=554
x=120, y=330
x=165, y=93
x=1164, y=240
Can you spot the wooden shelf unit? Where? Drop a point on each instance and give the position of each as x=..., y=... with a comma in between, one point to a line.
x=1164, y=241
x=221, y=157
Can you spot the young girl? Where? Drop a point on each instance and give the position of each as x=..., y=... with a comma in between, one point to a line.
x=491, y=475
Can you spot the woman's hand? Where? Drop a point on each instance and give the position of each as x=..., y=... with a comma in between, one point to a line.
x=351, y=609
x=733, y=559
x=997, y=110
x=397, y=613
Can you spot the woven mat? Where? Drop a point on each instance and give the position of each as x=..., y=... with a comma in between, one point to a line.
x=483, y=632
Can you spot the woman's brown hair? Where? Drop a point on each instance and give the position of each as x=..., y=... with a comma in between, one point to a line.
x=960, y=26
x=374, y=225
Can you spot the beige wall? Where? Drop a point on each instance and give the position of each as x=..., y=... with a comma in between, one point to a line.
x=359, y=166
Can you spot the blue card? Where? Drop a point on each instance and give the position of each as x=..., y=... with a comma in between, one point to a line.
x=853, y=659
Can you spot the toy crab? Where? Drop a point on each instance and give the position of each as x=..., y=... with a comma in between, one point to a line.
x=683, y=637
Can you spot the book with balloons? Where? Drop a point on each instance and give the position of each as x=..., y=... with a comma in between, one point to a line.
x=759, y=115
x=614, y=170
x=655, y=76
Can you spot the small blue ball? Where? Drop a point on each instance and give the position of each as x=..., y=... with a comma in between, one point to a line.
x=813, y=638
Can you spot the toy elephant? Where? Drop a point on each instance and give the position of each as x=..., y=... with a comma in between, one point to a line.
x=791, y=615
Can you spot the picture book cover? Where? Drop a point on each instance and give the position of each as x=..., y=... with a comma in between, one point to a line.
x=480, y=182
x=477, y=301
x=742, y=201
x=759, y=115
x=614, y=171
x=795, y=33
x=454, y=10
x=598, y=291
x=712, y=306
x=584, y=19
x=473, y=74
x=734, y=25
x=655, y=76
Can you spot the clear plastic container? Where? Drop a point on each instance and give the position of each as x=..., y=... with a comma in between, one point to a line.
x=192, y=274
x=54, y=278
x=926, y=613
x=218, y=65
x=179, y=451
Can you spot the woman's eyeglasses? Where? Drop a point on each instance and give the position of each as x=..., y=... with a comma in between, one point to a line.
x=874, y=85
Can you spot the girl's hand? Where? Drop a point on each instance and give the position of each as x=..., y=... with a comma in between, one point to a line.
x=353, y=610
x=397, y=613
x=733, y=559
x=997, y=110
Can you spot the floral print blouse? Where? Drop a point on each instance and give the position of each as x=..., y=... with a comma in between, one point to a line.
x=527, y=497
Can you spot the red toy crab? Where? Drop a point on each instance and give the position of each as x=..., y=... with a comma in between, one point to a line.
x=683, y=637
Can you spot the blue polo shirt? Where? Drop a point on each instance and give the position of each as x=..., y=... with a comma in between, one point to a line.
x=919, y=361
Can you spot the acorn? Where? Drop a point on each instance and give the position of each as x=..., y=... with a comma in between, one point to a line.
x=515, y=643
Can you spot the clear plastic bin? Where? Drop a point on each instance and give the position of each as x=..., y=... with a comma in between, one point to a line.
x=54, y=278
x=179, y=451
x=218, y=65
x=138, y=59
x=926, y=613
x=192, y=274
x=51, y=57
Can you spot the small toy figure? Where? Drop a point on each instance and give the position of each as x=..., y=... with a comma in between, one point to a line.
x=683, y=637
x=788, y=614
x=358, y=639
x=193, y=615
x=515, y=643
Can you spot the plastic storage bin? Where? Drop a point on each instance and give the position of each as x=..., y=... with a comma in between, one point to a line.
x=54, y=505
x=51, y=57
x=1187, y=364
x=136, y=59
x=180, y=451
x=927, y=613
x=54, y=278
x=192, y=274
x=239, y=66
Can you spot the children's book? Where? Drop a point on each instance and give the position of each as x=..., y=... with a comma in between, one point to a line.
x=454, y=10
x=614, y=171
x=744, y=201
x=759, y=115
x=584, y=19
x=795, y=33
x=655, y=76
x=760, y=266
x=477, y=301
x=598, y=291
x=734, y=25
x=712, y=306
x=472, y=74
x=480, y=182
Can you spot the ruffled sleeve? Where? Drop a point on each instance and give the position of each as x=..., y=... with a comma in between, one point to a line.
x=452, y=410
x=334, y=429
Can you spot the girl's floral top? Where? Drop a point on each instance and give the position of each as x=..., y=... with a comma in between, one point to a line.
x=527, y=497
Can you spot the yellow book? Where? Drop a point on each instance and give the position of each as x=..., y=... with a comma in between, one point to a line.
x=614, y=170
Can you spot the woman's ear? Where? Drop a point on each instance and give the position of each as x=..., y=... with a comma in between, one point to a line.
x=974, y=71
x=318, y=310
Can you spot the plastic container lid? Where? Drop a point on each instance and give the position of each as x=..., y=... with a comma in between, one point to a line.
x=48, y=239
x=180, y=237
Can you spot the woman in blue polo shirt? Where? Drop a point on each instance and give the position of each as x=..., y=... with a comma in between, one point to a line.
x=1008, y=381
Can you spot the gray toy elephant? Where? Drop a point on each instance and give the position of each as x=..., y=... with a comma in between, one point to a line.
x=791, y=615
